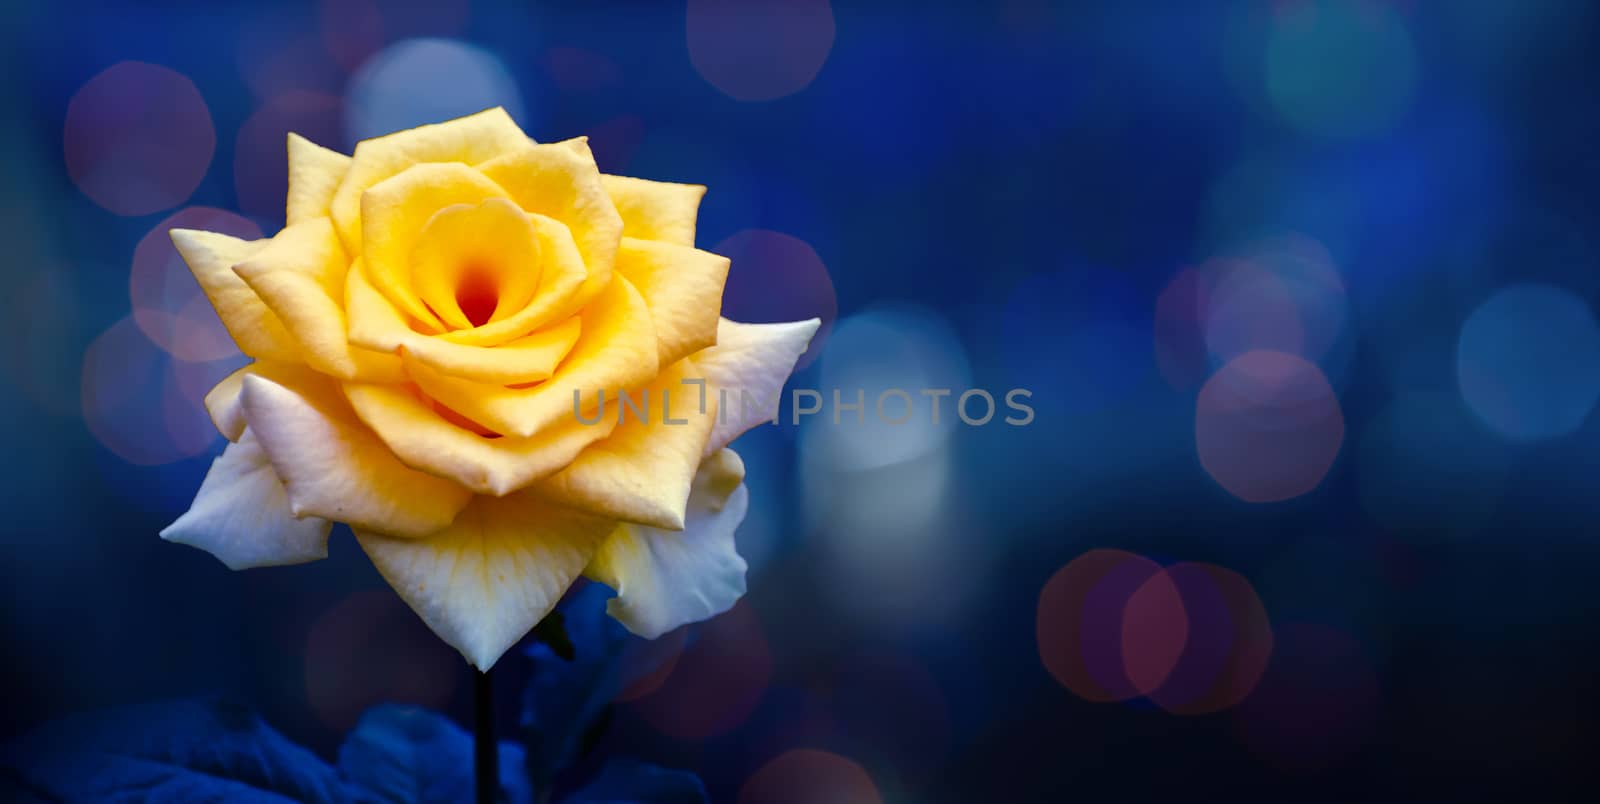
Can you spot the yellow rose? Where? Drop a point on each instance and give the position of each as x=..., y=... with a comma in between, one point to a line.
x=427, y=329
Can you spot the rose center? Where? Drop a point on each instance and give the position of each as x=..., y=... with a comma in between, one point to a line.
x=477, y=293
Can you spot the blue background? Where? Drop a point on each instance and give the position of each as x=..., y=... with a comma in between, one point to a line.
x=1000, y=195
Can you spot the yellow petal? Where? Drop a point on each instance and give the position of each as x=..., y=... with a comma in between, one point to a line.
x=656, y=210
x=493, y=242
x=300, y=275
x=643, y=470
x=530, y=358
x=376, y=325
x=394, y=214
x=335, y=468
x=485, y=581
x=746, y=371
x=314, y=175
x=560, y=180
x=425, y=440
x=683, y=288
x=616, y=350
x=223, y=401
x=562, y=276
x=468, y=140
x=222, y=404
x=241, y=514
x=666, y=579
x=211, y=256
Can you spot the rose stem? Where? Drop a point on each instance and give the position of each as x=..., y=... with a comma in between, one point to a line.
x=485, y=751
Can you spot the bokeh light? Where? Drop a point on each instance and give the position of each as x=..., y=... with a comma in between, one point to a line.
x=260, y=164
x=276, y=56
x=810, y=776
x=369, y=648
x=192, y=381
x=923, y=563
x=757, y=50
x=1155, y=631
x=718, y=680
x=1317, y=702
x=353, y=30
x=183, y=410
x=1079, y=624
x=1341, y=68
x=1228, y=639
x=138, y=138
x=777, y=277
x=168, y=304
x=1428, y=468
x=428, y=80
x=126, y=385
x=1180, y=319
x=885, y=358
x=1528, y=362
x=1193, y=638
x=1268, y=426
x=1281, y=294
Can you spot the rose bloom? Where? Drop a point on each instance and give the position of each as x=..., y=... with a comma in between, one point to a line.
x=431, y=330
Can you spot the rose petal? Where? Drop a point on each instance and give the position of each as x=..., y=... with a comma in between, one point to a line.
x=495, y=236
x=665, y=579
x=424, y=440
x=241, y=514
x=394, y=214
x=643, y=470
x=225, y=404
x=335, y=468
x=211, y=257
x=300, y=275
x=562, y=276
x=468, y=140
x=375, y=324
x=746, y=371
x=683, y=288
x=482, y=583
x=314, y=175
x=530, y=358
x=616, y=350
x=560, y=180
x=655, y=210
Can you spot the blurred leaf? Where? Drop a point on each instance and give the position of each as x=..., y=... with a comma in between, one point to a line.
x=204, y=750
x=408, y=755
x=564, y=696
x=552, y=631
x=625, y=781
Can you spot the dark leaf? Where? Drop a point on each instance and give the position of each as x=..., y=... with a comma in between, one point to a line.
x=200, y=750
x=564, y=696
x=552, y=631
x=626, y=781
x=408, y=755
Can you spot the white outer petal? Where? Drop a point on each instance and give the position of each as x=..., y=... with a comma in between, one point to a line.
x=665, y=579
x=241, y=514
x=753, y=360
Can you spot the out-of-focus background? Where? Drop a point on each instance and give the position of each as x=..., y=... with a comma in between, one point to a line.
x=1304, y=292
